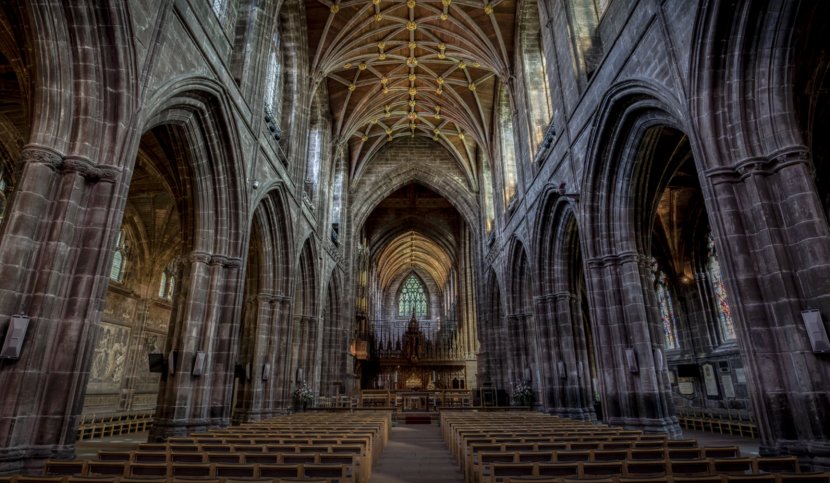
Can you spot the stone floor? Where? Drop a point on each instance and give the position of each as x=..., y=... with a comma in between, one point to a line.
x=416, y=453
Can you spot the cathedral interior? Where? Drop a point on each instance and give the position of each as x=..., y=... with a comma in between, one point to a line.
x=219, y=212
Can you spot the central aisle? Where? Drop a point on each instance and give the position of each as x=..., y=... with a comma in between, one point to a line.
x=416, y=454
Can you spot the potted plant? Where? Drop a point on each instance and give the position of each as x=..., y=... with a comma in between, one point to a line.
x=522, y=394
x=303, y=396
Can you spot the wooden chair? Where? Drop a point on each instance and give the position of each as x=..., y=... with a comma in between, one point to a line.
x=739, y=466
x=776, y=464
x=823, y=477
x=65, y=467
x=114, y=468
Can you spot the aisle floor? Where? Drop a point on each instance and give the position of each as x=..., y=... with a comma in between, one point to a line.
x=414, y=454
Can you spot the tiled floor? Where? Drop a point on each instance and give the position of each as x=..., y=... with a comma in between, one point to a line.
x=416, y=453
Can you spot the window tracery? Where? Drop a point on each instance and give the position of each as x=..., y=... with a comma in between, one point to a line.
x=665, y=302
x=413, y=298
x=713, y=271
x=118, y=258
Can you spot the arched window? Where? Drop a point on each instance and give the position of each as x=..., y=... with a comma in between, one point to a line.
x=271, y=76
x=727, y=328
x=118, y=258
x=3, y=187
x=665, y=303
x=535, y=76
x=336, y=202
x=413, y=298
x=508, y=147
x=220, y=7
x=487, y=193
x=315, y=159
x=168, y=283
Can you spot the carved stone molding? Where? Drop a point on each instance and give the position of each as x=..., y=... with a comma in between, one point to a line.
x=71, y=164
x=760, y=166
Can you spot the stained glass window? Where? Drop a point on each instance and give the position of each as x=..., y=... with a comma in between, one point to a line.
x=219, y=7
x=2, y=194
x=727, y=328
x=168, y=283
x=508, y=147
x=413, y=297
x=668, y=316
x=271, y=77
x=117, y=267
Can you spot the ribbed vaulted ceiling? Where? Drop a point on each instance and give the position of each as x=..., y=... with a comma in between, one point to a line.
x=411, y=68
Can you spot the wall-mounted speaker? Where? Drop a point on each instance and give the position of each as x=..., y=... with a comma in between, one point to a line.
x=266, y=371
x=13, y=343
x=155, y=362
x=171, y=363
x=816, y=331
x=631, y=360
x=198, y=364
x=560, y=367
x=658, y=360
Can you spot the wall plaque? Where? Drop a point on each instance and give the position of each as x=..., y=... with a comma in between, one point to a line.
x=740, y=375
x=709, y=380
x=686, y=388
x=728, y=388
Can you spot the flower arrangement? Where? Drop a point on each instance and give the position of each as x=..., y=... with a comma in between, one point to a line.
x=522, y=394
x=303, y=394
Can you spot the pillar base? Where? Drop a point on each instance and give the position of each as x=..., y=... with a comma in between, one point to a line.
x=813, y=454
x=166, y=428
x=668, y=425
x=31, y=460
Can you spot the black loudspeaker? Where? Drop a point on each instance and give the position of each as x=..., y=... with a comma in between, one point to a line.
x=239, y=371
x=688, y=370
x=155, y=362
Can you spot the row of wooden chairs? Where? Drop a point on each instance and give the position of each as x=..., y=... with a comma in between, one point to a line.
x=333, y=447
x=336, y=473
x=120, y=479
x=231, y=457
x=497, y=472
x=634, y=456
x=770, y=478
x=481, y=445
x=735, y=424
x=100, y=426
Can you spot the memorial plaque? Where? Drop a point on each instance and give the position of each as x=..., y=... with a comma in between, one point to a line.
x=709, y=380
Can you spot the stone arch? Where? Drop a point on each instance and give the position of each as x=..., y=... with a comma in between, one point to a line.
x=264, y=328
x=200, y=109
x=306, y=322
x=522, y=352
x=566, y=335
x=754, y=85
x=629, y=110
x=492, y=332
x=455, y=193
x=618, y=200
x=334, y=371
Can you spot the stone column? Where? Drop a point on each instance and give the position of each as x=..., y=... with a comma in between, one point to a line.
x=54, y=257
x=774, y=249
x=251, y=401
x=636, y=391
x=572, y=373
x=205, y=319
